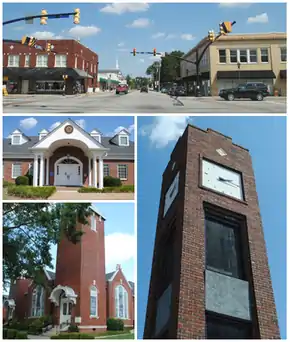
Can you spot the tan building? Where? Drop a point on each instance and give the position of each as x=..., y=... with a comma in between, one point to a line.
x=238, y=58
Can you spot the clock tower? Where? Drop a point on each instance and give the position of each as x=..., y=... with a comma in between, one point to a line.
x=210, y=277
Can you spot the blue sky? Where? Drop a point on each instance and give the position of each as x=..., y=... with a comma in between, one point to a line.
x=114, y=30
x=31, y=126
x=156, y=139
x=120, y=241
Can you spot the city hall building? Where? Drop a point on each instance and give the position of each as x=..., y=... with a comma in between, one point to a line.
x=238, y=58
x=210, y=277
x=30, y=70
x=69, y=156
x=79, y=292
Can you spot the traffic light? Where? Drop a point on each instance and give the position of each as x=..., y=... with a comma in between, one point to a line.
x=43, y=19
x=25, y=40
x=211, y=35
x=154, y=52
x=48, y=47
x=32, y=41
x=225, y=27
x=77, y=16
x=134, y=52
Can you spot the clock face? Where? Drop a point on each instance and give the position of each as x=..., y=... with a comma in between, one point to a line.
x=222, y=180
x=68, y=129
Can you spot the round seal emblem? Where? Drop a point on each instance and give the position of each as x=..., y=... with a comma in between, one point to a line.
x=69, y=129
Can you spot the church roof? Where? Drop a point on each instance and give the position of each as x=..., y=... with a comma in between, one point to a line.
x=109, y=275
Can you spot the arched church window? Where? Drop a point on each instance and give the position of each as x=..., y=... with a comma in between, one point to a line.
x=69, y=308
x=37, y=305
x=94, y=302
x=68, y=161
x=121, y=302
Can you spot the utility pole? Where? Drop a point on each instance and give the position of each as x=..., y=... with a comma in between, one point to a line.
x=159, y=72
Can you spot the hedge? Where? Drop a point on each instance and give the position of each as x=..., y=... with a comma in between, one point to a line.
x=21, y=335
x=5, y=331
x=22, y=180
x=27, y=191
x=11, y=334
x=6, y=184
x=124, y=188
x=115, y=324
x=111, y=181
x=72, y=336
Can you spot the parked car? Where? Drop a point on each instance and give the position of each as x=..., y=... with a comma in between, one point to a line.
x=144, y=89
x=164, y=90
x=251, y=90
x=122, y=88
x=177, y=91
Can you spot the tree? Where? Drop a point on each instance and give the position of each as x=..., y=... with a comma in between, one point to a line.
x=152, y=70
x=29, y=231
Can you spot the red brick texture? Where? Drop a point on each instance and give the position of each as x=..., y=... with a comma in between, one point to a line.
x=111, y=308
x=188, y=306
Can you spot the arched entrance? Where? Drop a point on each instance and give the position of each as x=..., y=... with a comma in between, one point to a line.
x=68, y=171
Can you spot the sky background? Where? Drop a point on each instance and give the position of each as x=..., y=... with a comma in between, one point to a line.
x=265, y=137
x=31, y=126
x=114, y=30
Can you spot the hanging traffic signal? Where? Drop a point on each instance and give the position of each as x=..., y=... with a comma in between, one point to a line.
x=32, y=41
x=222, y=30
x=48, y=47
x=43, y=19
x=77, y=16
x=25, y=40
x=154, y=52
x=226, y=27
x=134, y=52
x=211, y=35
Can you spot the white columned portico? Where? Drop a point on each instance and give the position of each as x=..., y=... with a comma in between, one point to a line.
x=35, y=171
x=95, y=176
x=101, y=173
x=47, y=171
x=90, y=171
x=41, y=171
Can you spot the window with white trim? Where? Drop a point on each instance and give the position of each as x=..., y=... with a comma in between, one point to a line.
x=16, y=139
x=123, y=140
x=13, y=61
x=61, y=61
x=37, y=305
x=253, y=56
x=264, y=55
x=27, y=61
x=233, y=56
x=283, y=52
x=243, y=56
x=106, y=171
x=16, y=170
x=121, y=302
x=222, y=56
x=93, y=223
x=41, y=61
x=30, y=169
x=123, y=171
x=93, y=302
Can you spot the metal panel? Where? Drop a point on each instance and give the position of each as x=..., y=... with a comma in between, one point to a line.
x=163, y=310
x=227, y=295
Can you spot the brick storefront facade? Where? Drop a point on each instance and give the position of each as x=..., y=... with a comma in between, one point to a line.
x=185, y=222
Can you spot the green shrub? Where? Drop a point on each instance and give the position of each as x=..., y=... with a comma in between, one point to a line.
x=5, y=330
x=124, y=188
x=11, y=334
x=73, y=328
x=6, y=184
x=21, y=335
x=22, y=180
x=115, y=324
x=112, y=181
x=46, y=320
x=35, y=327
x=31, y=191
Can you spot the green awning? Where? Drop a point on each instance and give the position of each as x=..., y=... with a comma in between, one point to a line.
x=103, y=80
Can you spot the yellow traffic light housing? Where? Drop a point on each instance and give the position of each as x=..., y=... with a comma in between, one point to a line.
x=154, y=52
x=134, y=52
x=222, y=30
x=227, y=27
x=25, y=40
x=77, y=16
x=211, y=35
x=48, y=47
x=32, y=41
x=43, y=19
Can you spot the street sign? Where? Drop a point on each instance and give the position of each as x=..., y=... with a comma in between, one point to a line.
x=59, y=16
x=29, y=21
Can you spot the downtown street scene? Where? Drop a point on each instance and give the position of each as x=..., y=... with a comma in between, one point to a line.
x=143, y=58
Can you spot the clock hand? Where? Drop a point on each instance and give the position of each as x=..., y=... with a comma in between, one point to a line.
x=227, y=181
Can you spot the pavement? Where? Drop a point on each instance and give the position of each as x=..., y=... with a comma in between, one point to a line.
x=90, y=196
x=136, y=102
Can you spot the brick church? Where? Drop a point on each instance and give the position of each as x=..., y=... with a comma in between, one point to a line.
x=79, y=292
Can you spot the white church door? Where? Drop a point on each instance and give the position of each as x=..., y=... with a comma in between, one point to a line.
x=65, y=312
x=68, y=172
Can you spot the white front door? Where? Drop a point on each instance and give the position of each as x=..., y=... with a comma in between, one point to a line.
x=25, y=86
x=68, y=175
x=65, y=311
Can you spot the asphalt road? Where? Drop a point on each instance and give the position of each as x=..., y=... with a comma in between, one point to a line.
x=136, y=102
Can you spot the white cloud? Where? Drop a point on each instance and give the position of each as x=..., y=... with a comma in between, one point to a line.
x=81, y=123
x=259, y=19
x=28, y=123
x=165, y=129
x=235, y=4
x=45, y=35
x=140, y=23
x=115, y=254
x=84, y=31
x=171, y=36
x=19, y=28
x=121, y=8
x=54, y=125
x=130, y=129
x=187, y=36
x=121, y=44
x=155, y=58
x=142, y=60
x=158, y=35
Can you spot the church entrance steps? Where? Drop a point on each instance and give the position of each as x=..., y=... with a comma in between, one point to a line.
x=74, y=195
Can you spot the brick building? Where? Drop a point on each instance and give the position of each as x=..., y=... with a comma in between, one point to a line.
x=210, y=275
x=31, y=70
x=69, y=156
x=77, y=293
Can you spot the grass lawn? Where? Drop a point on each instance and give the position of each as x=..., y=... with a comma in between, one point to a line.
x=129, y=336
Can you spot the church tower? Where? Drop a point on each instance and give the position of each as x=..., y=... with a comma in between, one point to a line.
x=79, y=294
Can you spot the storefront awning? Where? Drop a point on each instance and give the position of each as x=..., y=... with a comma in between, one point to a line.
x=246, y=74
x=105, y=80
x=42, y=74
x=203, y=76
x=283, y=74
